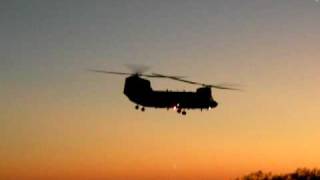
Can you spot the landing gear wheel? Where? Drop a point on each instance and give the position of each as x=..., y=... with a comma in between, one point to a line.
x=137, y=107
x=184, y=113
x=179, y=111
x=143, y=109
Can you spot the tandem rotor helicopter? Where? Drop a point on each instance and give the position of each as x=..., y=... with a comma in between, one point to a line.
x=140, y=92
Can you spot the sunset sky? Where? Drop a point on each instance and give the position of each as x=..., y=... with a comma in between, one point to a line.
x=59, y=121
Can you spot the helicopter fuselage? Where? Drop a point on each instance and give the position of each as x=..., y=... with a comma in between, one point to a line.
x=140, y=92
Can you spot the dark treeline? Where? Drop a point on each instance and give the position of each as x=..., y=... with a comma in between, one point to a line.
x=299, y=174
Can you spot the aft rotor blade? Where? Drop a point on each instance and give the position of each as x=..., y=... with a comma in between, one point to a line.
x=223, y=87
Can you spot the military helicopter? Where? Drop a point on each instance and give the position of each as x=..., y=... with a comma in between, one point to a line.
x=140, y=92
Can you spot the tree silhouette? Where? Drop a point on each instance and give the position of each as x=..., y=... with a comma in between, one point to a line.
x=299, y=174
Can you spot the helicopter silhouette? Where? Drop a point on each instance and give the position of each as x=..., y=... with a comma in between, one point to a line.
x=140, y=92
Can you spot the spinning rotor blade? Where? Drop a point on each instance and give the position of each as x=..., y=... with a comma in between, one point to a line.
x=109, y=72
x=177, y=78
x=153, y=75
x=223, y=87
x=205, y=85
x=124, y=73
x=137, y=69
x=167, y=76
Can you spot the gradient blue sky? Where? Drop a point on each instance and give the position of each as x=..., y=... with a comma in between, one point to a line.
x=51, y=108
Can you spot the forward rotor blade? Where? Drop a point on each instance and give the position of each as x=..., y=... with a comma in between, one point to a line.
x=109, y=72
x=124, y=73
x=149, y=75
x=177, y=78
x=167, y=76
x=137, y=68
x=205, y=85
x=186, y=81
